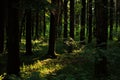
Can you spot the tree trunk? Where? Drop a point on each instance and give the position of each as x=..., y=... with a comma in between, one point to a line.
x=65, y=19
x=2, y=26
x=13, y=63
x=89, y=21
x=28, y=32
x=72, y=19
x=52, y=34
x=59, y=21
x=118, y=18
x=37, y=24
x=111, y=19
x=44, y=21
x=83, y=16
x=41, y=23
x=101, y=38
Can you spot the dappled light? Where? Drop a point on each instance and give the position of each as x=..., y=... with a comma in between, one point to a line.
x=79, y=64
x=52, y=67
x=44, y=68
x=60, y=40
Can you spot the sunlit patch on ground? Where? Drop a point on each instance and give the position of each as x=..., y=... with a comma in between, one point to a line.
x=44, y=68
x=77, y=65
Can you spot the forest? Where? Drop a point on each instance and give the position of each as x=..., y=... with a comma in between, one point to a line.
x=60, y=40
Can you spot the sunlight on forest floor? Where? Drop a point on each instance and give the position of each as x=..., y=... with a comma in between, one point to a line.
x=44, y=68
x=77, y=65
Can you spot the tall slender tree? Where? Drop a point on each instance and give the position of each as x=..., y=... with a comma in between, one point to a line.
x=101, y=12
x=83, y=16
x=13, y=63
x=52, y=34
x=116, y=14
x=118, y=17
x=72, y=19
x=37, y=24
x=59, y=27
x=41, y=23
x=2, y=8
x=111, y=19
x=65, y=19
x=44, y=21
x=28, y=32
x=89, y=21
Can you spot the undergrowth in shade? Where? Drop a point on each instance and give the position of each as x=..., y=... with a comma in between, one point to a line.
x=77, y=65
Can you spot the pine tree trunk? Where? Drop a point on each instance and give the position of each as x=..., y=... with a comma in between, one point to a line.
x=111, y=19
x=52, y=34
x=101, y=38
x=83, y=16
x=118, y=18
x=72, y=19
x=28, y=32
x=44, y=21
x=37, y=23
x=13, y=63
x=59, y=26
x=2, y=26
x=41, y=23
x=89, y=21
x=65, y=19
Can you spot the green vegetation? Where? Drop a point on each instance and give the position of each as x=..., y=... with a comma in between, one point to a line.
x=60, y=40
x=77, y=65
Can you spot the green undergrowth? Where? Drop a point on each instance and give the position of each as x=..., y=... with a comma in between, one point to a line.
x=65, y=67
x=77, y=65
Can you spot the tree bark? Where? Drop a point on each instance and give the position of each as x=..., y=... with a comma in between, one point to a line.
x=65, y=19
x=2, y=26
x=52, y=34
x=111, y=19
x=83, y=16
x=28, y=32
x=13, y=63
x=44, y=21
x=101, y=8
x=37, y=24
x=72, y=19
x=59, y=26
x=89, y=21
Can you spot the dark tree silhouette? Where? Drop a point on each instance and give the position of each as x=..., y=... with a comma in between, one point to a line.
x=65, y=19
x=44, y=21
x=37, y=24
x=13, y=63
x=2, y=8
x=89, y=21
x=111, y=19
x=59, y=23
x=101, y=8
x=117, y=14
x=101, y=23
x=28, y=32
x=82, y=30
x=41, y=23
x=52, y=33
x=72, y=19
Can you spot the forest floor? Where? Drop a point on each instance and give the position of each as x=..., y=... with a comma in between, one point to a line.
x=77, y=65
